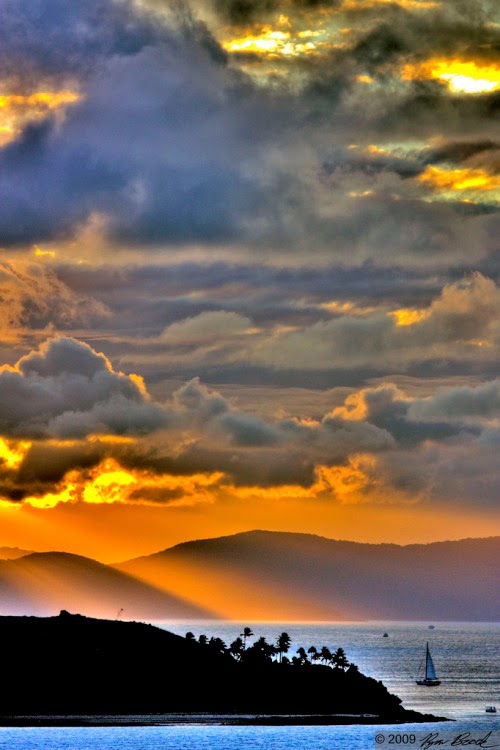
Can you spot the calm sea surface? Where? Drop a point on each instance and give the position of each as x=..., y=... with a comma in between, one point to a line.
x=466, y=656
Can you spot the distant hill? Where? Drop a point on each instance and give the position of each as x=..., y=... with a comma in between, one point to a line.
x=12, y=553
x=265, y=575
x=43, y=583
x=288, y=576
x=72, y=665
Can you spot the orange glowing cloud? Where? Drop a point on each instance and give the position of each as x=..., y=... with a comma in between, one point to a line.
x=13, y=453
x=459, y=179
x=353, y=409
x=110, y=483
x=116, y=531
x=274, y=42
x=16, y=110
x=348, y=482
x=461, y=76
x=409, y=316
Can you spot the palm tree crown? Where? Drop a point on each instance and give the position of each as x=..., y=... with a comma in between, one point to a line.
x=283, y=643
x=247, y=633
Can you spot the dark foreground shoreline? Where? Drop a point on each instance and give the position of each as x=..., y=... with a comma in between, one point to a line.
x=72, y=670
x=179, y=719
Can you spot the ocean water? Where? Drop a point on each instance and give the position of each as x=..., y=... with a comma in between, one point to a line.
x=467, y=659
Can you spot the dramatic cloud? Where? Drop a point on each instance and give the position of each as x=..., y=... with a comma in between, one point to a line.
x=34, y=298
x=459, y=404
x=66, y=390
x=259, y=241
x=202, y=433
x=458, y=325
x=213, y=157
x=463, y=319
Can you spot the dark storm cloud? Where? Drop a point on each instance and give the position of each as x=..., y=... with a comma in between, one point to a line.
x=389, y=409
x=246, y=430
x=46, y=464
x=166, y=291
x=156, y=95
x=480, y=403
x=241, y=467
x=170, y=144
x=460, y=476
x=242, y=12
x=458, y=152
x=455, y=29
x=386, y=38
x=156, y=495
x=203, y=432
x=53, y=179
x=67, y=390
x=291, y=459
x=56, y=38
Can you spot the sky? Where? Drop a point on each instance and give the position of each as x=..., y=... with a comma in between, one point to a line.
x=249, y=271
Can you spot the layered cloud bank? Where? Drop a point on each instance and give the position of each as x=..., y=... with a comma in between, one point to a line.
x=249, y=255
x=69, y=417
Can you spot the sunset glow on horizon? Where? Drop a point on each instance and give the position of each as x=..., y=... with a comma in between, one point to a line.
x=248, y=276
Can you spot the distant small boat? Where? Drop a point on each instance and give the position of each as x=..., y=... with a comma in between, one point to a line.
x=491, y=709
x=431, y=627
x=386, y=635
x=430, y=679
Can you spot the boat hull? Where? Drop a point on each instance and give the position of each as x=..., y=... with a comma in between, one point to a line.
x=428, y=683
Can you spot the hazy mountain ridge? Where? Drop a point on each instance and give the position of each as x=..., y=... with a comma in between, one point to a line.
x=449, y=580
x=13, y=553
x=305, y=539
x=254, y=575
x=42, y=583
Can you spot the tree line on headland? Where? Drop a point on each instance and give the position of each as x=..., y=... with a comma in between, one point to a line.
x=261, y=651
x=74, y=665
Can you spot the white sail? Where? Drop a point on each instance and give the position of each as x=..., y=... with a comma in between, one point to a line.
x=430, y=678
x=430, y=671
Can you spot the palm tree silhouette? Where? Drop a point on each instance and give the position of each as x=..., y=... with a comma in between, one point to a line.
x=247, y=633
x=302, y=659
x=236, y=648
x=217, y=644
x=325, y=654
x=314, y=653
x=339, y=660
x=203, y=639
x=283, y=644
x=263, y=648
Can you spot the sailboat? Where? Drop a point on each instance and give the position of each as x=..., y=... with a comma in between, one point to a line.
x=430, y=678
